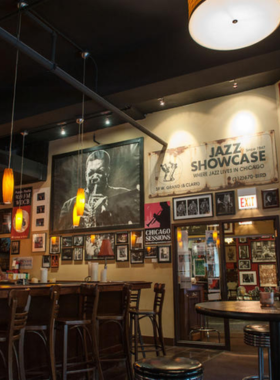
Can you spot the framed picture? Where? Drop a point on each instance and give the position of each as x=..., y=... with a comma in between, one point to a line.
x=78, y=241
x=213, y=285
x=40, y=196
x=244, y=264
x=136, y=256
x=39, y=242
x=116, y=199
x=263, y=251
x=199, y=267
x=248, y=278
x=92, y=248
x=243, y=252
x=67, y=241
x=122, y=238
x=268, y=276
x=270, y=198
x=228, y=228
x=230, y=254
x=225, y=203
x=46, y=261
x=67, y=254
x=151, y=252
x=40, y=222
x=198, y=206
x=242, y=240
x=15, y=244
x=40, y=209
x=122, y=252
x=5, y=245
x=55, y=244
x=164, y=254
x=54, y=260
x=78, y=254
x=5, y=221
x=137, y=239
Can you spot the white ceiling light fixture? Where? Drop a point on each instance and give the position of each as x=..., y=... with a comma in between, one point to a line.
x=232, y=24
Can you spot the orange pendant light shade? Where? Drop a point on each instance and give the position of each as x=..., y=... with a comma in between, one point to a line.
x=215, y=235
x=92, y=239
x=76, y=218
x=8, y=186
x=18, y=220
x=53, y=239
x=80, y=202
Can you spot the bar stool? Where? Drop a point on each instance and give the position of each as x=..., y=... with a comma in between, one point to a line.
x=44, y=328
x=205, y=329
x=85, y=325
x=155, y=317
x=134, y=306
x=166, y=369
x=258, y=336
x=18, y=302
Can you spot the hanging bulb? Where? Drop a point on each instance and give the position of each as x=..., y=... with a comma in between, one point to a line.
x=179, y=234
x=8, y=186
x=215, y=235
x=218, y=242
x=80, y=202
x=92, y=239
x=18, y=220
x=76, y=218
x=53, y=240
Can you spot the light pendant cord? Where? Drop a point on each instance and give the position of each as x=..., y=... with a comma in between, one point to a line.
x=15, y=87
x=22, y=159
x=82, y=126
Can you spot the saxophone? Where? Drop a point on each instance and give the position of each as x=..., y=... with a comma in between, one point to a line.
x=98, y=203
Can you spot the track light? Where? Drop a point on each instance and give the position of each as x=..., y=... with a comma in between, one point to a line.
x=63, y=132
x=161, y=102
x=107, y=121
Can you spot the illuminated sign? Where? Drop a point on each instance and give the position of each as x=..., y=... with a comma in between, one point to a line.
x=247, y=198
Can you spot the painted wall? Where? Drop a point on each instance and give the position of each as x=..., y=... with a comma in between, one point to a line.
x=235, y=115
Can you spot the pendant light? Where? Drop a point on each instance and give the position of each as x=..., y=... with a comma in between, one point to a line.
x=76, y=218
x=232, y=24
x=19, y=214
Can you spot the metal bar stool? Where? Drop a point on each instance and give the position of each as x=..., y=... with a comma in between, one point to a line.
x=167, y=368
x=18, y=302
x=258, y=336
x=155, y=317
x=205, y=329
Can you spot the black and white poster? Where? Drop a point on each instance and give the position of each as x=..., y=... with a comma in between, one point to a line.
x=112, y=176
x=157, y=223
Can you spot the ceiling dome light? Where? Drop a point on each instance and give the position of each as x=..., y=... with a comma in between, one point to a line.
x=232, y=24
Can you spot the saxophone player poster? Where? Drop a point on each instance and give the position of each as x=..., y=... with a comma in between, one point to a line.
x=112, y=176
x=157, y=223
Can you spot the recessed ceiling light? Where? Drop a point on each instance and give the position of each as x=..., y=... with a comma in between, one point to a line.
x=63, y=131
x=107, y=121
x=161, y=102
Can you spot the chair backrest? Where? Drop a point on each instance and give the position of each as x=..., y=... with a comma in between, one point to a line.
x=159, y=290
x=19, y=302
x=54, y=296
x=126, y=300
x=89, y=298
x=135, y=299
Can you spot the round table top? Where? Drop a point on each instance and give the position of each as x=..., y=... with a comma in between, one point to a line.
x=248, y=310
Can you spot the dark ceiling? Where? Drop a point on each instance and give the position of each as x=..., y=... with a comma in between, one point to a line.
x=142, y=51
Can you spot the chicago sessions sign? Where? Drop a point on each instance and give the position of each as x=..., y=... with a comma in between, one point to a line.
x=222, y=164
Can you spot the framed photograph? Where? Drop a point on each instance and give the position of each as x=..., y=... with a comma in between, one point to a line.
x=196, y=206
x=40, y=196
x=199, y=267
x=243, y=252
x=92, y=248
x=5, y=221
x=137, y=239
x=122, y=252
x=248, y=278
x=263, y=251
x=78, y=241
x=242, y=240
x=151, y=252
x=112, y=176
x=270, y=198
x=137, y=256
x=15, y=244
x=164, y=254
x=268, y=276
x=122, y=238
x=225, y=203
x=55, y=244
x=40, y=209
x=78, y=254
x=5, y=245
x=213, y=285
x=39, y=242
x=67, y=241
x=40, y=222
x=230, y=254
x=228, y=228
x=244, y=264
x=54, y=260
x=67, y=254
x=46, y=261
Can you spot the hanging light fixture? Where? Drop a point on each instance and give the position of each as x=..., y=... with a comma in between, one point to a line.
x=76, y=218
x=19, y=214
x=232, y=24
x=215, y=235
x=92, y=239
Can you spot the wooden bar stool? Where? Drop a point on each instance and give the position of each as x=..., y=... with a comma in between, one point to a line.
x=18, y=302
x=155, y=317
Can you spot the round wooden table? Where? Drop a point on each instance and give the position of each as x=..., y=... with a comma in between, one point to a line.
x=252, y=311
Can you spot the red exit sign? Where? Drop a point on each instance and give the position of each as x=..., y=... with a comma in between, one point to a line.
x=247, y=201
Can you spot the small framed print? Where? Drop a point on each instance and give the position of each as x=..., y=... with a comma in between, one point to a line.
x=151, y=252
x=199, y=206
x=248, y=278
x=164, y=254
x=67, y=254
x=231, y=254
x=122, y=253
x=5, y=220
x=199, y=268
x=40, y=196
x=46, y=261
x=40, y=222
x=78, y=241
x=66, y=241
x=244, y=264
x=54, y=260
x=243, y=252
x=39, y=242
x=15, y=244
x=40, y=209
x=55, y=244
x=263, y=251
x=122, y=238
x=270, y=198
x=137, y=256
x=242, y=240
x=78, y=254
x=136, y=239
x=268, y=276
x=225, y=203
x=228, y=228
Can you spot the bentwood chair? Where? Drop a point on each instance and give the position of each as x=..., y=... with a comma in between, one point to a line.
x=18, y=302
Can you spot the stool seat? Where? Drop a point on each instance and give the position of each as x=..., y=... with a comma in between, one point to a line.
x=73, y=321
x=257, y=329
x=167, y=368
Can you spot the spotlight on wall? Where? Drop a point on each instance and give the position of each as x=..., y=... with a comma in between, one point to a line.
x=107, y=121
x=161, y=102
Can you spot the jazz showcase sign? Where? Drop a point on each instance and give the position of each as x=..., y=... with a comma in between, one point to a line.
x=222, y=164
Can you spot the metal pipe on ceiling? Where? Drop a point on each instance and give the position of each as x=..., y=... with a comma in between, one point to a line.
x=6, y=36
